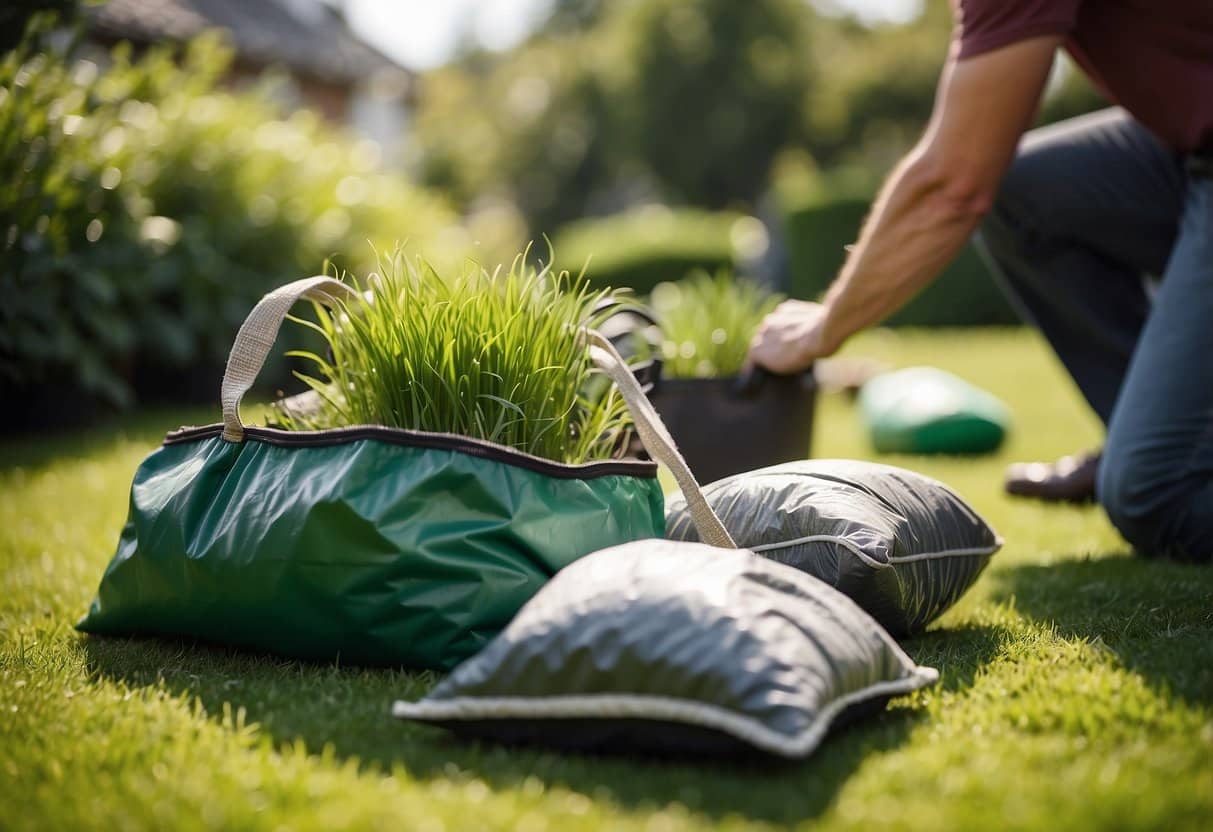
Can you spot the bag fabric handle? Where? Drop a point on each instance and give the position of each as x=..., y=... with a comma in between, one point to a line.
x=657, y=440
x=256, y=338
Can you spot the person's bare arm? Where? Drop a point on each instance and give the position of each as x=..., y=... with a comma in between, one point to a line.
x=928, y=207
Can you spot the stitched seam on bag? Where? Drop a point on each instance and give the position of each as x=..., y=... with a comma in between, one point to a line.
x=663, y=708
x=425, y=439
x=948, y=553
x=823, y=538
x=844, y=542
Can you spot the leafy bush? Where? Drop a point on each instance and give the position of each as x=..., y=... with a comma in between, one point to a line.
x=143, y=211
x=650, y=245
x=66, y=283
x=707, y=323
x=496, y=356
x=817, y=234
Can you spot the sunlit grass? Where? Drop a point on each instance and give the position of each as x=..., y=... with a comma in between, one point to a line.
x=1076, y=689
x=498, y=356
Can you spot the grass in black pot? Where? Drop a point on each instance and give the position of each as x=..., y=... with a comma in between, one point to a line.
x=707, y=323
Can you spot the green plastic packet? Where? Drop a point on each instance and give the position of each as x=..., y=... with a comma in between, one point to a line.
x=368, y=545
x=923, y=410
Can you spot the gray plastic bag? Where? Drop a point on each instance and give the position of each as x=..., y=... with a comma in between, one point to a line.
x=660, y=646
x=905, y=547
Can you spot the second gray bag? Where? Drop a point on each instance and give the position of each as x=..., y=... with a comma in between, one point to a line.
x=903, y=546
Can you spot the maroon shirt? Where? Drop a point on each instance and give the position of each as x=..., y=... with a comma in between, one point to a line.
x=1153, y=57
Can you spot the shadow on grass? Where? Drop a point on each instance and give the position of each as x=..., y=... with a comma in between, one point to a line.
x=35, y=450
x=1155, y=616
x=959, y=653
x=347, y=709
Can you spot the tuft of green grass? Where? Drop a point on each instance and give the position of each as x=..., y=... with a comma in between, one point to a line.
x=498, y=356
x=1076, y=689
x=707, y=322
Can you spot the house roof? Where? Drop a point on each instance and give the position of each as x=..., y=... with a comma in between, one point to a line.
x=307, y=36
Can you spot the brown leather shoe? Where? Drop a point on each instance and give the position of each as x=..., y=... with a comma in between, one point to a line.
x=1070, y=479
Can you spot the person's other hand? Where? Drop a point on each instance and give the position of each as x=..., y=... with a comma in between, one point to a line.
x=791, y=338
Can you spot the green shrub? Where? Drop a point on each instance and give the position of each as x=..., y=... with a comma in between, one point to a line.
x=651, y=245
x=143, y=211
x=67, y=284
x=261, y=200
x=497, y=356
x=817, y=234
x=707, y=323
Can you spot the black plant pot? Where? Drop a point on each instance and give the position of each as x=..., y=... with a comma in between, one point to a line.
x=725, y=426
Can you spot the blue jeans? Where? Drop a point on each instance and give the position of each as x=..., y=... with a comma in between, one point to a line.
x=1093, y=212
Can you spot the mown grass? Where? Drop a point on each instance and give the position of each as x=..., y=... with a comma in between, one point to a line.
x=1077, y=687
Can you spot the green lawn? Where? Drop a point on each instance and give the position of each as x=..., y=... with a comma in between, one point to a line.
x=1077, y=687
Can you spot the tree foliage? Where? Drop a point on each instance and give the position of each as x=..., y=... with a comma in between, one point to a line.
x=714, y=91
x=683, y=101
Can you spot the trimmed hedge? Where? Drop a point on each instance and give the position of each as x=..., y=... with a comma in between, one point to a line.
x=640, y=248
x=143, y=211
x=816, y=234
x=643, y=247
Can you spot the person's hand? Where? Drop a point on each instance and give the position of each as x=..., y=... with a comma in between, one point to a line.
x=791, y=338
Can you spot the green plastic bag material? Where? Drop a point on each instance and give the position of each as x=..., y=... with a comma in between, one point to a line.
x=922, y=410
x=370, y=545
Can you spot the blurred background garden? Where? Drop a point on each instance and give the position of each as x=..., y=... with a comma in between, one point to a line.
x=165, y=162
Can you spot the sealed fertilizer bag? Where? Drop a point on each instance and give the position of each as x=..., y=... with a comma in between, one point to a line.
x=358, y=540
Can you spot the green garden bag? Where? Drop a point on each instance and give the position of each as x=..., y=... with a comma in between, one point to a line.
x=368, y=545
x=922, y=410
